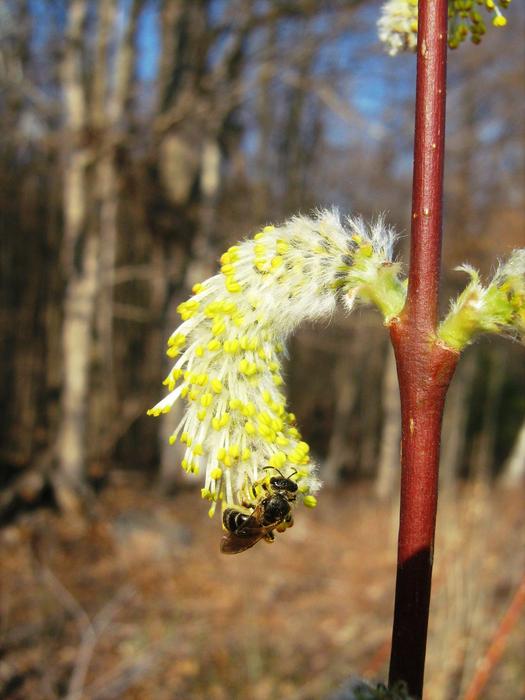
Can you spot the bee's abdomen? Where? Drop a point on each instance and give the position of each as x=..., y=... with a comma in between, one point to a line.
x=234, y=520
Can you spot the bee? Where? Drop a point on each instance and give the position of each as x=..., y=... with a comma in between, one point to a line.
x=272, y=511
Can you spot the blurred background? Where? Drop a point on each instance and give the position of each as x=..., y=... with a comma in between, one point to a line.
x=139, y=139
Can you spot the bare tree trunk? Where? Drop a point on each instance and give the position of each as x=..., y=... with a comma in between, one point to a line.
x=346, y=392
x=388, y=464
x=370, y=410
x=482, y=458
x=76, y=344
x=513, y=471
x=111, y=115
x=80, y=251
x=455, y=421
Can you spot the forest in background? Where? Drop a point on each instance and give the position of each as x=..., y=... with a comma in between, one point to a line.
x=140, y=138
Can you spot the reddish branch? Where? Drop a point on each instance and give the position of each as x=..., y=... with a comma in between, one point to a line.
x=497, y=645
x=424, y=367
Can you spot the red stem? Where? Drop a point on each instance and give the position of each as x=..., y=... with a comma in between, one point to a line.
x=424, y=367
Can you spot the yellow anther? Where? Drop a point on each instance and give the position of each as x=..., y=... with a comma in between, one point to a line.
x=265, y=418
x=234, y=345
x=216, y=385
x=282, y=247
x=177, y=339
x=201, y=413
x=193, y=395
x=277, y=380
x=197, y=288
x=234, y=404
x=201, y=379
x=224, y=419
x=292, y=417
x=228, y=269
x=214, y=344
x=266, y=396
x=198, y=449
x=277, y=460
x=277, y=261
x=228, y=461
x=294, y=433
x=261, y=265
x=264, y=430
x=216, y=424
x=233, y=286
x=218, y=327
x=225, y=258
x=277, y=424
x=172, y=439
x=184, y=464
x=310, y=501
x=206, y=399
x=258, y=236
x=246, y=454
x=259, y=249
x=282, y=441
x=248, y=409
x=216, y=473
x=234, y=451
x=199, y=351
x=184, y=438
x=250, y=428
x=267, y=229
x=304, y=447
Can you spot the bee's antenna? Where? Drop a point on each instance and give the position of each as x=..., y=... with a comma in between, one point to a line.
x=280, y=472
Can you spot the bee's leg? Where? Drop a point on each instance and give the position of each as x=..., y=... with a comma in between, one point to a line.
x=269, y=537
x=286, y=523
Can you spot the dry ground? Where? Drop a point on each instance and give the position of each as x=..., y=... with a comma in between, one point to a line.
x=136, y=602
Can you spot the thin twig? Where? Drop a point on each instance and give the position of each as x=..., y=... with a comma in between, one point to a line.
x=497, y=645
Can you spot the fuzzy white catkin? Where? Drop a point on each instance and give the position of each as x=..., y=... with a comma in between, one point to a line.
x=230, y=346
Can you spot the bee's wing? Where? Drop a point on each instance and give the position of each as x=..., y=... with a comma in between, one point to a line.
x=251, y=532
x=234, y=544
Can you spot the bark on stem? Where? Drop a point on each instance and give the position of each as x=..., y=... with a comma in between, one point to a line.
x=424, y=367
